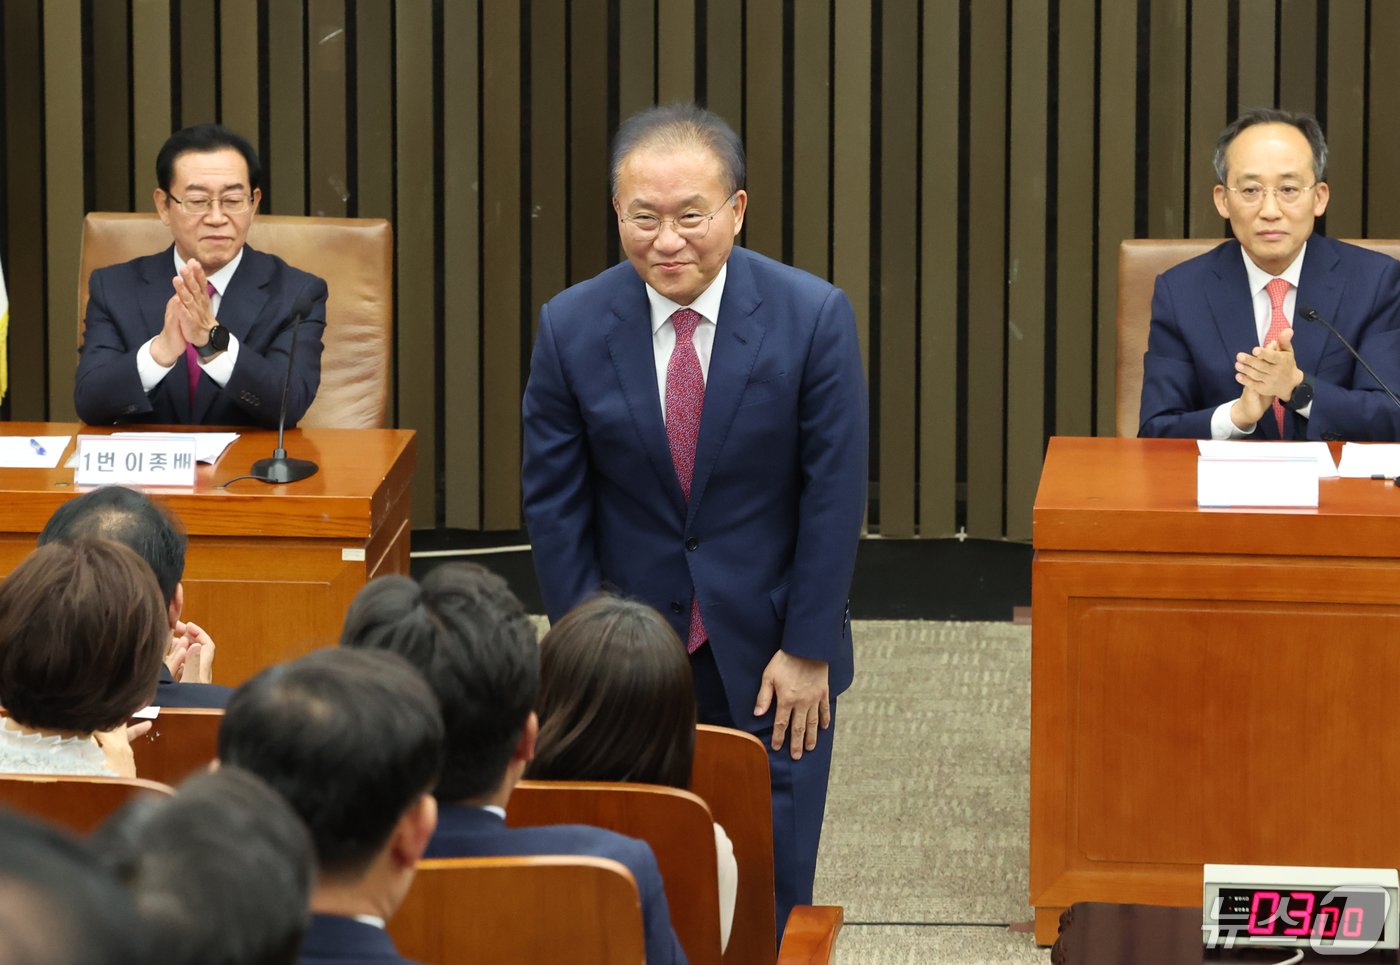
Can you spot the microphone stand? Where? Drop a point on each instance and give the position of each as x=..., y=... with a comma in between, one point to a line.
x=281, y=468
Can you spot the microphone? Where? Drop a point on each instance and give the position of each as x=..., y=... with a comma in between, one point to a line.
x=280, y=468
x=1311, y=315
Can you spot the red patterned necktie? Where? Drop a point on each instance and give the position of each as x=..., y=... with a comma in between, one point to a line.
x=1277, y=323
x=192, y=354
x=685, y=397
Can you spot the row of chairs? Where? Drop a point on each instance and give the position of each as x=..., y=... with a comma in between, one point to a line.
x=730, y=785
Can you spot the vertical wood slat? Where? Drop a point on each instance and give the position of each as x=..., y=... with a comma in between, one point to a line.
x=1208, y=109
x=1074, y=214
x=111, y=117
x=198, y=86
x=724, y=52
x=675, y=55
x=461, y=253
x=851, y=132
x=24, y=207
x=417, y=254
x=1298, y=55
x=763, y=127
x=150, y=85
x=285, y=156
x=1167, y=127
x=636, y=56
x=591, y=222
x=898, y=271
x=1025, y=414
x=1116, y=189
x=502, y=313
x=986, y=330
x=938, y=273
x=374, y=110
x=63, y=203
x=548, y=186
x=326, y=109
x=1383, y=134
x=238, y=70
x=1258, y=31
x=811, y=142
x=1346, y=82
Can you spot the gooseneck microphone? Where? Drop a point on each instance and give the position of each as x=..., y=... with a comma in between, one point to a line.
x=1311, y=315
x=280, y=468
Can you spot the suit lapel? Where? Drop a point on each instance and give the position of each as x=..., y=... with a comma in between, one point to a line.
x=1231, y=303
x=1320, y=289
x=157, y=286
x=241, y=305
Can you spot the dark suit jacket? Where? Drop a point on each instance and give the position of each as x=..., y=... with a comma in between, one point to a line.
x=470, y=832
x=334, y=940
x=172, y=694
x=126, y=308
x=768, y=539
x=1202, y=316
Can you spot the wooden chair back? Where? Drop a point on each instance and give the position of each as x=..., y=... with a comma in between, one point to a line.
x=355, y=256
x=181, y=741
x=521, y=910
x=1140, y=261
x=77, y=803
x=678, y=826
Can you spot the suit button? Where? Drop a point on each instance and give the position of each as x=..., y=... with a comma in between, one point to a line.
x=692, y=544
x=676, y=607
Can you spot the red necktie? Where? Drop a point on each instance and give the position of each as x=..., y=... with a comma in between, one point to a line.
x=1277, y=323
x=685, y=397
x=192, y=355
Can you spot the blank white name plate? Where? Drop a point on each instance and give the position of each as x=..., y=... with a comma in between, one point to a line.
x=162, y=459
x=1285, y=482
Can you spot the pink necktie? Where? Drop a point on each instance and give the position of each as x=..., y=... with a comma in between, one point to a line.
x=1277, y=323
x=685, y=397
x=192, y=355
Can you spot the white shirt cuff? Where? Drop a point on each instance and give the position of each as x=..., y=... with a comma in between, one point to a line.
x=1222, y=427
x=149, y=369
x=221, y=368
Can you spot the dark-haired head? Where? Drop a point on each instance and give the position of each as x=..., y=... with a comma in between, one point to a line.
x=203, y=139
x=83, y=629
x=616, y=700
x=351, y=739
x=128, y=517
x=1305, y=123
x=469, y=636
x=675, y=127
x=222, y=872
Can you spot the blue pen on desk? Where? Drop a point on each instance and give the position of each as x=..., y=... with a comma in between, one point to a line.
x=34, y=444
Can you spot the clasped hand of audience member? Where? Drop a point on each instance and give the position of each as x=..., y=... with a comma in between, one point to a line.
x=190, y=658
x=189, y=315
x=804, y=700
x=1268, y=372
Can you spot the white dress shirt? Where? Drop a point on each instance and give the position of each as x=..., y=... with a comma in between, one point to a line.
x=219, y=369
x=663, y=333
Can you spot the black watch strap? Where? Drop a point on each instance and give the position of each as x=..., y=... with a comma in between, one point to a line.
x=218, y=342
x=1302, y=395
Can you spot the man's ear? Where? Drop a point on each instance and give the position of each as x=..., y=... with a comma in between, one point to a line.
x=161, y=200
x=414, y=831
x=176, y=606
x=524, y=751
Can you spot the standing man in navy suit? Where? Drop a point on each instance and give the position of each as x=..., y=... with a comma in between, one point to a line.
x=696, y=437
x=199, y=334
x=1225, y=359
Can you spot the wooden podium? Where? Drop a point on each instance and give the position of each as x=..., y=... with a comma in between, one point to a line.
x=270, y=569
x=1206, y=685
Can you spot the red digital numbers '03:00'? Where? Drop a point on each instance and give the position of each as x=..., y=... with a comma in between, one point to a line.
x=1270, y=909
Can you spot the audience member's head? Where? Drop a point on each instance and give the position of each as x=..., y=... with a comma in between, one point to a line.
x=353, y=740
x=128, y=517
x=58, y=906
x=222, y=872
x=471, y=639
x=82, y=632
x=616, y=701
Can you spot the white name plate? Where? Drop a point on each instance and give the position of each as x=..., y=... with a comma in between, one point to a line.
x=157, y=460
x=1285, y=483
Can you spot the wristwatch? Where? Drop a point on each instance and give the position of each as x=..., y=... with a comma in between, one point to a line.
x=1302, y=394
x=218, y=344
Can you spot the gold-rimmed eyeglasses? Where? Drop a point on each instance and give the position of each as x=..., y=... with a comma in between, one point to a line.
x=1287, y=195
x=200, y=204
x=693, y=225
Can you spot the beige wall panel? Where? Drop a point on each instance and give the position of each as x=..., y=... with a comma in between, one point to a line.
x=1346, y=92
x=1382, y=199
x=1166, y=133
x=461, y=254
x=374, y=104
x=1116, y=187
x=1074, y=224
x=1025, y=324
x=675, y=56
x=198, y=85
x=63, y=196
x=763, y=128
x=850, y=224
x=111, y=115
x=417, y=254
x=1258, y=31
x=636, y=56
x=898, y=278
x=150, y=90
x=286, y=149
x=238, y=70
x=724, y=66
x=1298, y=55
x=938, y=273
x=591, y=221
x=326, y=152
x=502, y=311
x=1209, y=46
x=986, y=336
x=548, y=186
x=811, y=139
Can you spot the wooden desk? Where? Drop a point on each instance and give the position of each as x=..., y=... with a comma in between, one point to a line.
x=1206, y=685
x=270, y=569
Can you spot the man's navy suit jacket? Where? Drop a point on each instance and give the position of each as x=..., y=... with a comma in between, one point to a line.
x=126, y=308
x=471, y=832
x=336, y=940
x=768, y=538
x=170, y=693
x=1202, y=316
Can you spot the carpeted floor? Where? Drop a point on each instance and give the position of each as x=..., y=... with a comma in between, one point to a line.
x=926, y=834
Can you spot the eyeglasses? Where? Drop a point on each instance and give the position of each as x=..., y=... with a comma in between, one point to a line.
x=1287, y=195
x=692, y=225
x=229, y=204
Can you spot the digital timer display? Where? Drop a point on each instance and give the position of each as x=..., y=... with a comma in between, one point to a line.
x=1328, y=915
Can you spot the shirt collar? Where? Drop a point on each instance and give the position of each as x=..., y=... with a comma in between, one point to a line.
x=220, y=278
x=706, y=303
x=498, y=811
x=1258, y=277
x=374, y=920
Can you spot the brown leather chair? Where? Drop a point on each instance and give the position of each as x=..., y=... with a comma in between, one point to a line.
x=181, y=741
x=77, y=803
x=525, y=910
x=355, y=256
x=1140, y=261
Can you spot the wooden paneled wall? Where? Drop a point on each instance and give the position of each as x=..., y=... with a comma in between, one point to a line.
x=965, y=169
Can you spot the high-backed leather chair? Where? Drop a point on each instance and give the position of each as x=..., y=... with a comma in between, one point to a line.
x=1140, y=261
x=77, y=803
x=355, y=256
x=530, y=911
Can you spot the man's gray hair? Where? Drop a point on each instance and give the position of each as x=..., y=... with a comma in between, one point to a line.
x=1305, y=123
x=676, y=127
